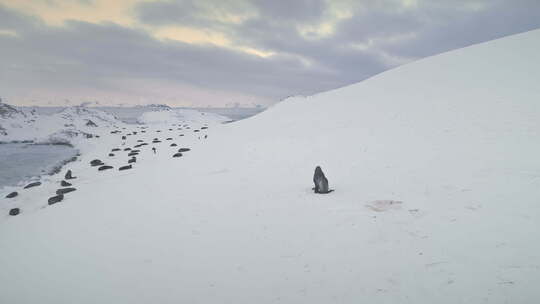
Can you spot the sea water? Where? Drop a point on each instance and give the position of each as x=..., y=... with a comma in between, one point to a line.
x=20, y=162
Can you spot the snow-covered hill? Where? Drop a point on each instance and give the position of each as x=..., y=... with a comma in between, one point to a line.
x=13, y=118
x=436, y=175
x=67, y=126
x=7, y=111
x=177, y=116
x=87, y=117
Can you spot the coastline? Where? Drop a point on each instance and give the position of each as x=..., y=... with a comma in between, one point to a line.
x=38, y=173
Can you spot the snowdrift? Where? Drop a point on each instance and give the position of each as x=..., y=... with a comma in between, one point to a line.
x=436, y=175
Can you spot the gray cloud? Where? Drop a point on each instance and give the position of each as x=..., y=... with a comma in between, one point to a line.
x=443, y=31
x=423, y=30
x=90, y=55
x=163, y=13
x=291, y=11
x=85, y=55
x=10, y=20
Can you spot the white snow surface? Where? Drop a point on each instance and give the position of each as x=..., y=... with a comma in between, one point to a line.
x=437, y=184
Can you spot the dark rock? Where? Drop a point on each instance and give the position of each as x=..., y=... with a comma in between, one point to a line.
x=12, y=194
x=137, y=151
x=127, y=149
x=204, y=128
x=124, y=137
x=125, y=168
x=170, y=129
x=65, y=184
x=55, y=199
x=34, y=184
x=145, y=144
x=177, y=154
x=133, y=153
x=104, y=168
x=170, y=138
x=158, y=131
x=111, y=154
x=140, y=140
x=184, y=149
x=69, y=175
x=181, y=135
x=173, y=145
x=90, y=123
x=196, y=130
x=116, y=149
x=14, y=211
x=132, y=160
x=64, y=190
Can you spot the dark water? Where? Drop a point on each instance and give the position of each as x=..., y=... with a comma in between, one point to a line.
x=19, y=162
x=232, y=113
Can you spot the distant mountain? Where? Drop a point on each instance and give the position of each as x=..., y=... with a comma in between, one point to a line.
x=156, y=107
x=88, y=117
x=7, y=111
x=162, y=115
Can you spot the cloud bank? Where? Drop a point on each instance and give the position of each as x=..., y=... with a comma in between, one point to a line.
x=212, y=53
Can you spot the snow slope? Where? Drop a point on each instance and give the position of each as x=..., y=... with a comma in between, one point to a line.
x=436, y=175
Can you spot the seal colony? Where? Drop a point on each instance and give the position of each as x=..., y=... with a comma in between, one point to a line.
x=135, y=149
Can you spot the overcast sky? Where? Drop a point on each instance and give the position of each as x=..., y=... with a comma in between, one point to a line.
x=214, y=53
